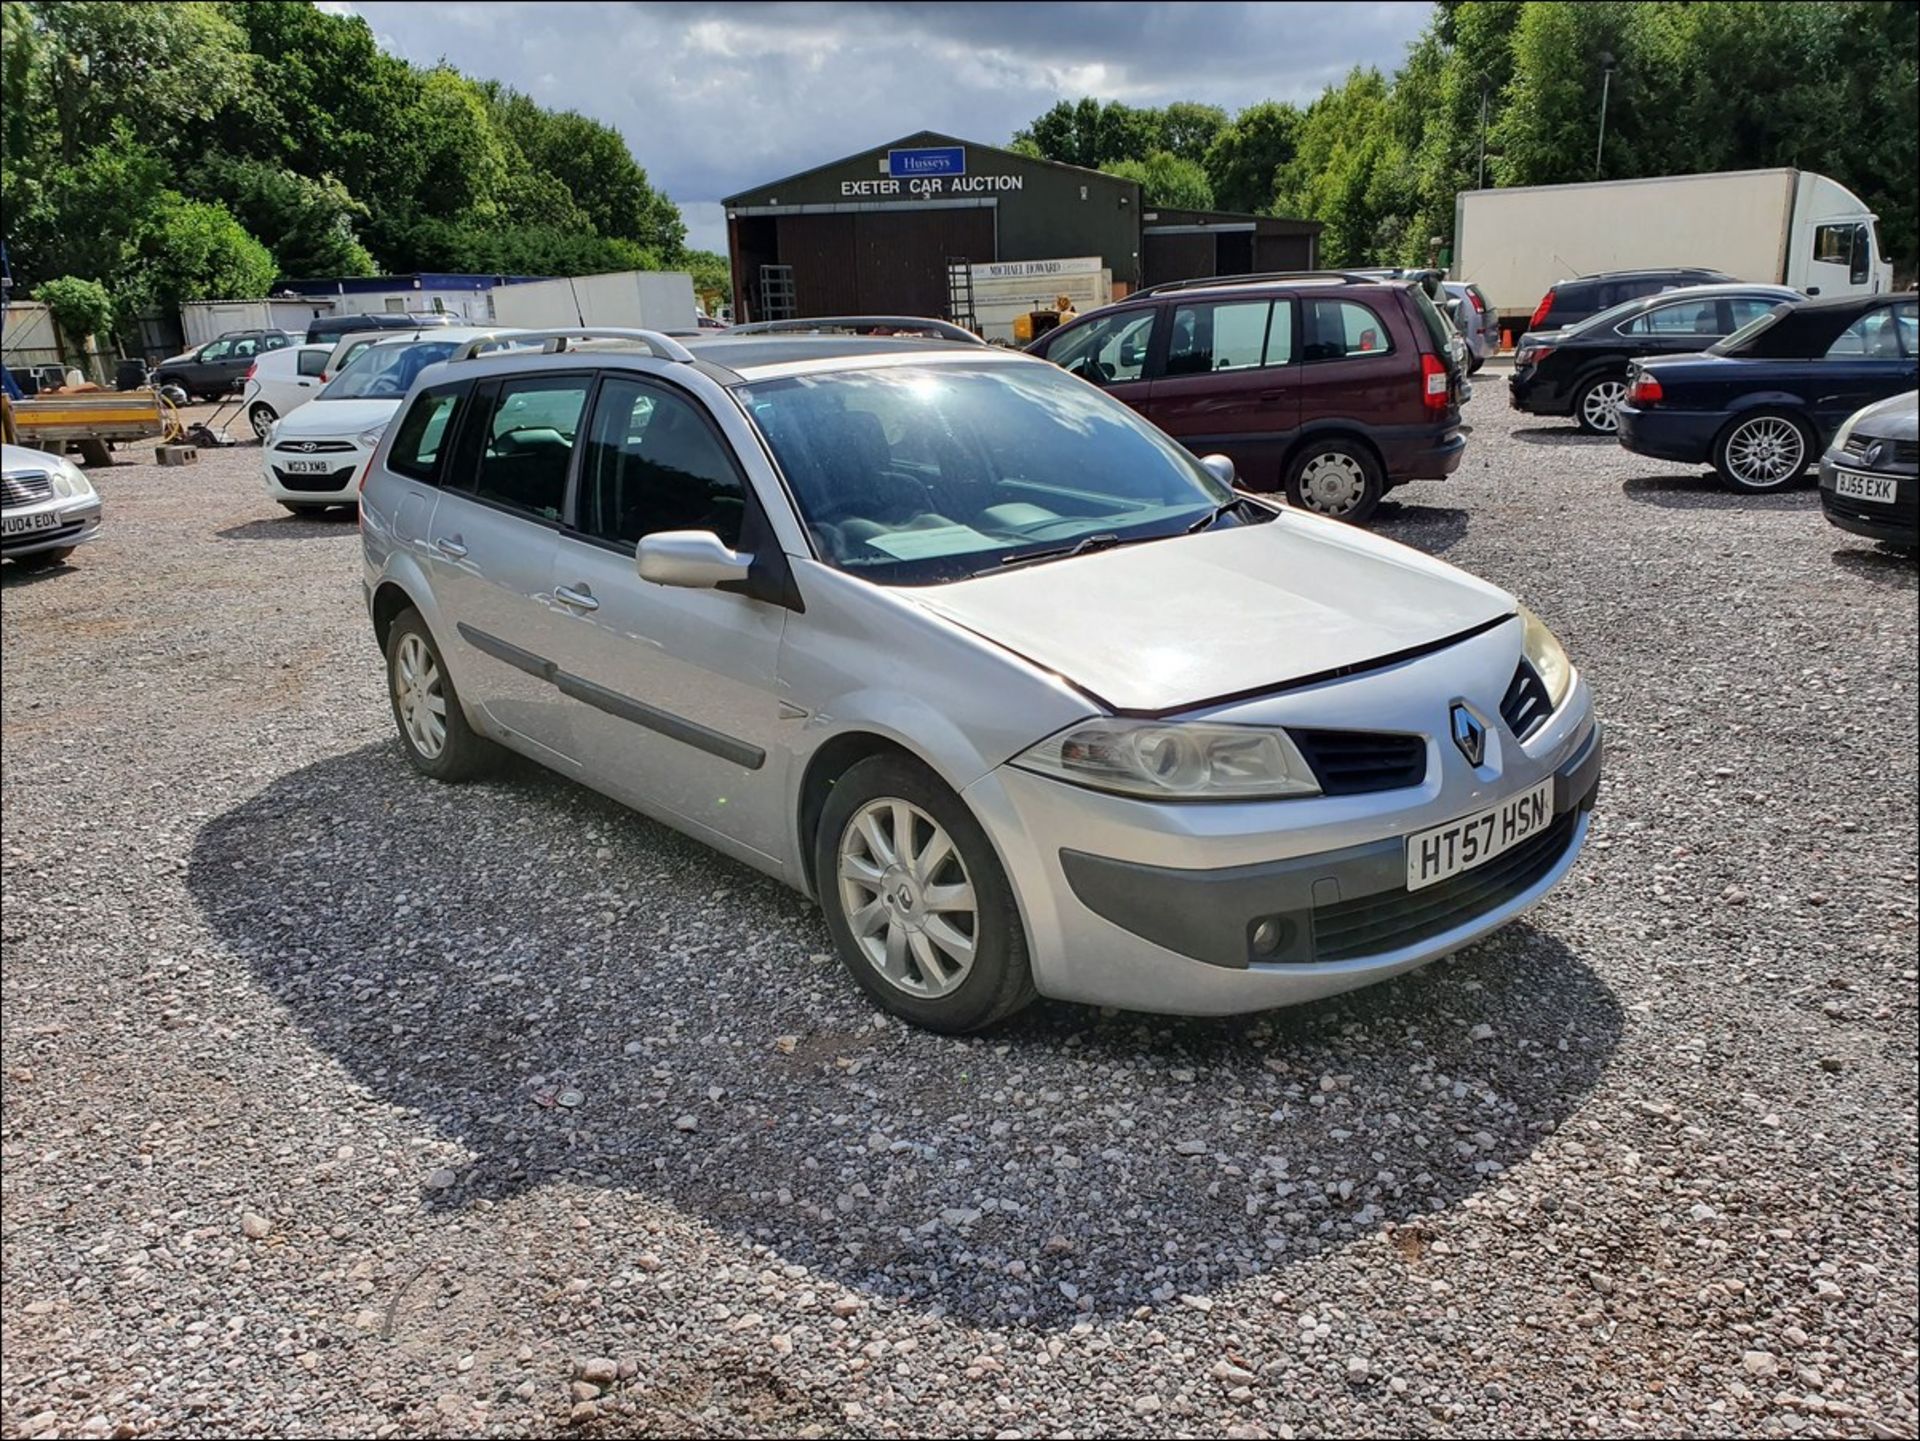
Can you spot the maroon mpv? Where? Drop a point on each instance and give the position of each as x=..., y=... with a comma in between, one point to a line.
x=1335, y=387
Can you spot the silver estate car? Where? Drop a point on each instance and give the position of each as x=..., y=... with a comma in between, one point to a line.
x=1028, y=698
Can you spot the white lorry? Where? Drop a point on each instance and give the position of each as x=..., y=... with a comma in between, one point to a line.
x=1779, y=227
x=638, y=299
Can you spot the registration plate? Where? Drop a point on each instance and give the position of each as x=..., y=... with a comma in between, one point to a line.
x=27, y=524
x=308, y=467
x=1460, y=845
x=1855, y=486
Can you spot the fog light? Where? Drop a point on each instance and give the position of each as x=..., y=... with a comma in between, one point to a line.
x=1266, y=938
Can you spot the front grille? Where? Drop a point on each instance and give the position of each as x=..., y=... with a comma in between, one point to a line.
x=26, y=488
x=1354, y=763
x=313, y=447
x=1526, y=705
x=1896, y=452
x=332, y=480
x=1373, y=925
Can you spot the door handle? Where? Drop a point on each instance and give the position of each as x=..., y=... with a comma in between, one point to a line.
x=579, y=599
x=449, y=546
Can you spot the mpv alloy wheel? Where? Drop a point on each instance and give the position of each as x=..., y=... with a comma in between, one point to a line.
x=907, y=898
x=1763, y=452
x=419, y=698
x=1600, y=405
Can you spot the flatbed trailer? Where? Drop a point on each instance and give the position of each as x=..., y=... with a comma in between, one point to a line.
x=93, y=420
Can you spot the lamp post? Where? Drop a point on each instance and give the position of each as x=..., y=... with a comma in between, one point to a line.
x=1480, y=174
x=1607, y=63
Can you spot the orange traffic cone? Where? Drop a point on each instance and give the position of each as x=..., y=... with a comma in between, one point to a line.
x=1506, y=339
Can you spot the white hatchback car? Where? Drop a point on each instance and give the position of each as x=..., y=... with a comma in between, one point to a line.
x=280, y=382
x=310, y=459
x=1027, y=696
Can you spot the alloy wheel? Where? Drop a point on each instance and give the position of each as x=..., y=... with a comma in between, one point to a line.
x=1766, y=451
x=1600, y=405
x=419, y=696
x=907, y=898
x=1332, y=483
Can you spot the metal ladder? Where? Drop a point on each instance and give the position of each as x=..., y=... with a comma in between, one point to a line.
x=776, y=293
x=960, y=293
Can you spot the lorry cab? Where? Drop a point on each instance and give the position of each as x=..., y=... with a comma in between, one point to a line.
x=1835, y=245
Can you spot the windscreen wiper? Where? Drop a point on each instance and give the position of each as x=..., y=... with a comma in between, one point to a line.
x=1212, y=517
x=1104, y=540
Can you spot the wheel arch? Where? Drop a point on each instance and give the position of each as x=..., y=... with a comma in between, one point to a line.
x=1319, y=432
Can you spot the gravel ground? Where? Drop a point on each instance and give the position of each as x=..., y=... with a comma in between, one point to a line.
x=338, y=1102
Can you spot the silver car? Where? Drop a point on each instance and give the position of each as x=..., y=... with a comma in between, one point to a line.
x=1474, y=318
x=47, y=507
x=1027, y=697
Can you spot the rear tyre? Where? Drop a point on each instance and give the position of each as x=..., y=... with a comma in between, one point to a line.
x=1336, y=478
x=261, y=417
x=1596, y=405
x=1765, y=451
x=919, y=908
x=43, y=559
x=426, y=708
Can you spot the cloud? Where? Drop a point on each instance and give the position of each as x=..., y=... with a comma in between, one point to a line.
x=715, y=98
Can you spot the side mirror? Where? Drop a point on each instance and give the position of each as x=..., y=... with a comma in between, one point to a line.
x=695, y=559
x=1220, y=467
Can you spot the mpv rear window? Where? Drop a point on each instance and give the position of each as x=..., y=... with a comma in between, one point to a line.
x=428, y=422
x=1340, y=329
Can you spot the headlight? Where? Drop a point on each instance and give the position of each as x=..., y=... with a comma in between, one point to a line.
x=1841, y=435
x=371, y=438
x=70, y=481
x=1544, y=653
x=1174, y=760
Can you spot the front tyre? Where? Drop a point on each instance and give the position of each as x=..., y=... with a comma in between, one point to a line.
x=426, y=708
x=918, y=905
x=1597, y=404
x=1336, y=478
x=1765, y=451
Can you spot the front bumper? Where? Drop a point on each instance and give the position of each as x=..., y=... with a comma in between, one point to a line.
x=1149, y=907
x=79, y=522
x=1876, y=520
x=334, y=486
x=1681, y=435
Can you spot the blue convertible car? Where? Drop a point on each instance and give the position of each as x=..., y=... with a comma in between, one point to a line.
x=1762, y=404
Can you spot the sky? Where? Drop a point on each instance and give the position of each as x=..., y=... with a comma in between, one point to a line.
x=716, y=98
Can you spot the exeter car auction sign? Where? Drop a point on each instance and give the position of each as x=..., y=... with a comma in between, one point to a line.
x=937, y=170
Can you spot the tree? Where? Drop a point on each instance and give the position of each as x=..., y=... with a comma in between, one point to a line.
x=307, y=223
x=1188, y=130
x=1167, y=179
x=154, y=67
x=197, y=251
x=1246, y=155
x=712, y=274
x=1091, y=133
x=81, y=309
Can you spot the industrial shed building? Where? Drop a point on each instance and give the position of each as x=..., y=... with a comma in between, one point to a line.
x=876, y=233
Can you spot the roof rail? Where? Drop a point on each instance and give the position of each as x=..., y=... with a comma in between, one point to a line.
x=1345, y=277
x=554, y=341
x=858, y=325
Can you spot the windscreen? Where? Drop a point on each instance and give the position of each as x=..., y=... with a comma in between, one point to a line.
x=382, y=372
x=913, y=475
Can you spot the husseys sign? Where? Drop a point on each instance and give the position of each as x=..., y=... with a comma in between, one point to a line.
x=934, y=170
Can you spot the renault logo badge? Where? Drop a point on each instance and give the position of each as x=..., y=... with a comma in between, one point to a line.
x=1872, y=456
x=1469, y=735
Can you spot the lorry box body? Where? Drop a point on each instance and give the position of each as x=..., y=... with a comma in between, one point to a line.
x=639, y=299
x=1777, y=227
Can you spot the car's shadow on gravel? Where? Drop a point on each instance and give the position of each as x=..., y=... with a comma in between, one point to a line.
x=1435, y=529
x=1882, y=566
x=337, y=521
x=566, y=992
x=1568, y=434
x=12, y=575
x=1702, y=490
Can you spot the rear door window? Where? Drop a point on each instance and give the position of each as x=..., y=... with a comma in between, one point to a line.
x=1342, y=329
x=527, y=445
x=312, y=363
x=1687, y=317
x=1228, y=335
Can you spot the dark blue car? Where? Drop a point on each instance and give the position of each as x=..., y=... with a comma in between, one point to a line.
x=1762, y=404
